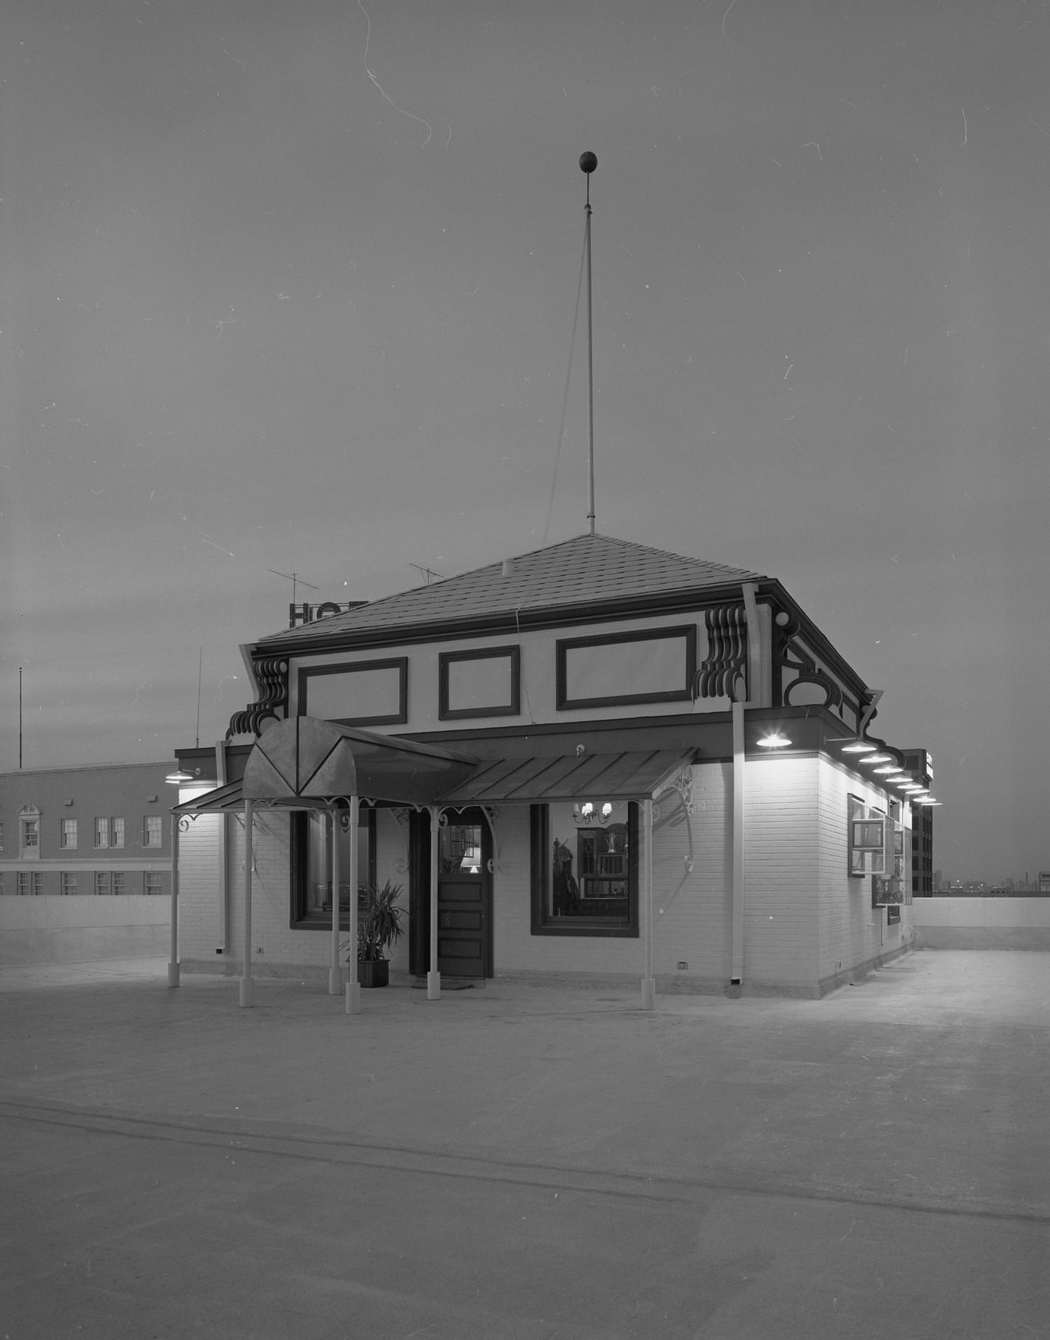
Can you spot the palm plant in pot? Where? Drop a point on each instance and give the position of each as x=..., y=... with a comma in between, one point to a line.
x=379, y=917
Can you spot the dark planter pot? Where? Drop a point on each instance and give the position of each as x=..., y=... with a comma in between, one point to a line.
x=373, y=972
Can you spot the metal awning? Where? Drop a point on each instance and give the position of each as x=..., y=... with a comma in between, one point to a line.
x=633, y=775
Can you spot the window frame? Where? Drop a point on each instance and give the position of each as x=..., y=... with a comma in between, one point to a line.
x=686, y=632
x=544, y=923
x=298, y=874
x=398, y=663
x=511, y=652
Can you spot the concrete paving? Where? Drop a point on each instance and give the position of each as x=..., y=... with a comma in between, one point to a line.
x=521, y=1162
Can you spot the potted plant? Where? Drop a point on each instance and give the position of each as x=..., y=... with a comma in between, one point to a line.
x=378, y=927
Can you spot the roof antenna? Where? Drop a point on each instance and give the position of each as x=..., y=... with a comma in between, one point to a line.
x=588, y=162
x=295, y=579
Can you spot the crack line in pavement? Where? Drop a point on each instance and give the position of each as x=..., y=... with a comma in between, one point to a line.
x=661, y=1188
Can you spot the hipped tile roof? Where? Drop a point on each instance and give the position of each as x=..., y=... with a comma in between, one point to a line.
x=586, y=570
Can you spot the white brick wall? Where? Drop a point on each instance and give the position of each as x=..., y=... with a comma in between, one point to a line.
x=851, y=932
x=780, y=865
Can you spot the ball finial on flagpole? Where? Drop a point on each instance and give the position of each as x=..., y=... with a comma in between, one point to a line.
x=588, y=161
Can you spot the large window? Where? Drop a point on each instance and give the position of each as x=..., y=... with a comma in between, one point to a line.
x=68, y=836
x=311, y=873
x=69, y=882
x=585, y=869
x=152, y=882
x=152, y=834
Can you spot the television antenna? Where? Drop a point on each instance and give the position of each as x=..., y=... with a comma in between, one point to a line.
x=295, y=580
x=425, y=572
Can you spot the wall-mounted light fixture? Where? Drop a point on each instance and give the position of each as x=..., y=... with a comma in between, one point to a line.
x=859, y=747
x=180, y=776
x=774, y=739
x=869, y=760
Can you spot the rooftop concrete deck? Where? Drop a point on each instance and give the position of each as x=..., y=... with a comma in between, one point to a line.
x=522, y=1162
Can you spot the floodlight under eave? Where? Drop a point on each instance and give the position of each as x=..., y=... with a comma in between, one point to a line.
x=179, y=777
x=859, y=747
x=886, y=769
x=875, y=758
x=774, y=740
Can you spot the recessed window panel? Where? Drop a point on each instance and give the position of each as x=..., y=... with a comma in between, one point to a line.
x=372, y=692
x=480, y=683
x=647, y=667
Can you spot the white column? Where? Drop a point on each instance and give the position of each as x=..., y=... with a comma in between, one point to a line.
x=173, y=961
x=647, y=911
x=736, y=966
x=247, y=985
x=433, y=976
x=353, y=986
x=335, y=976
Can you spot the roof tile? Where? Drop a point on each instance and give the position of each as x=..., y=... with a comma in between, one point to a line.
x=584, y=570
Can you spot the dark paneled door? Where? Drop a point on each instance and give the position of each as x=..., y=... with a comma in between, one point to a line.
x=464, y=895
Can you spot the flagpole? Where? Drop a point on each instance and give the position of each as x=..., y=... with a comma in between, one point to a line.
x=588, y=162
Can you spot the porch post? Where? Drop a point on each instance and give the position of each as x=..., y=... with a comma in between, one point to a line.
x=353, y=986
x=648, y=919
x=173, y=961
x=736, y=966
x=247, y=985
x=332, y=834
x=433, y=976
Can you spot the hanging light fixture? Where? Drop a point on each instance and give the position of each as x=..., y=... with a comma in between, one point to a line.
x=774, y=739
x=859, y=747
x=871, y=759
x=180, y=776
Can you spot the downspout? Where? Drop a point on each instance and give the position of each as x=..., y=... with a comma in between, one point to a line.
x=173, y=961
x=648, y=918
x=738, y=885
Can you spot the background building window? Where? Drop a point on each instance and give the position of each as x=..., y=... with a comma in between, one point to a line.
x=69, y=882
x=68, y=837
x=1, y=837
x=29, y=834
x=152, y=882
x=101, y=881
x=119, y=884
x=152, y=832
x=109, y=832
x=584, y=876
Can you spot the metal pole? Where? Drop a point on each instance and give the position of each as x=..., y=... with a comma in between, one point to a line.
x=590, y=363
x=173, y=961
x=736, y=968
x=335, y=976
x=433, y=976
x=353, y=986
x=20, y=718
x=247, y=985
x=648, y=917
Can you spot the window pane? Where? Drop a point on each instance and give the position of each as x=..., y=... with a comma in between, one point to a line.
x=101, y=832
x=589, y=877
x=459, y=849
x=118, y=832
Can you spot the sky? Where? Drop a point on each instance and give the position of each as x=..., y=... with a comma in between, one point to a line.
x=292, y=286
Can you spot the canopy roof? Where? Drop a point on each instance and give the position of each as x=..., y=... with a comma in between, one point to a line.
x=304, y=763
